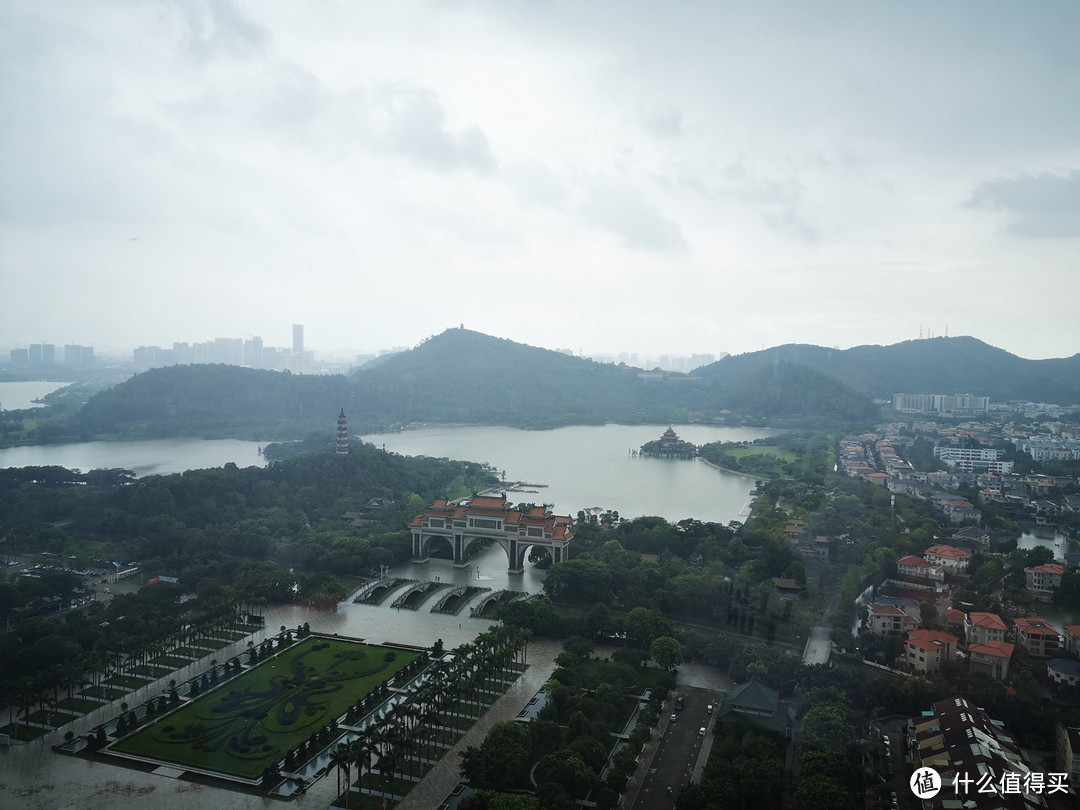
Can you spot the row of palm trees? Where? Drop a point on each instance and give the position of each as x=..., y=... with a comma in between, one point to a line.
x=91, y=668
x=409, y=732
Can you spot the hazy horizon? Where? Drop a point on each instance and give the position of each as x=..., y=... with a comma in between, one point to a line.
x=348, y=353
x=700, y=177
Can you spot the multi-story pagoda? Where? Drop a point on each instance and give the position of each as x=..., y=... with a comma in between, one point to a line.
x=342, y=447
x=669, y=445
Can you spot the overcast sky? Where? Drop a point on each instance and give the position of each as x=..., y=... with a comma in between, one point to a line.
x=602, y=176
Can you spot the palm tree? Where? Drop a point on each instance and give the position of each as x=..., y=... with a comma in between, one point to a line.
x=363, y=749
x=341, y=758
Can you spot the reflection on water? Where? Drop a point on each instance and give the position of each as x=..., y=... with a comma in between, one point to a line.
x=587, y=466
x=384, y=624
x=143, y=457
x=21, y=395
x=488, y=569
x=1060, y=545
x=1056, y=542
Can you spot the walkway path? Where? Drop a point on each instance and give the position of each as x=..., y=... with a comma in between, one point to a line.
x=445, y=776
x=819, y=645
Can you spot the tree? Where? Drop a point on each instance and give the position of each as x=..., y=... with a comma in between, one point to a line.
x=667, y=652
x=826, y=726
x=500, y=760
x=647, y=625
x=822, y=792
x=568, y=770
x=493, y=800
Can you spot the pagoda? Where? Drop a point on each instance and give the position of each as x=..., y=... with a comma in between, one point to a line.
x=669, y=445
x=342, y=446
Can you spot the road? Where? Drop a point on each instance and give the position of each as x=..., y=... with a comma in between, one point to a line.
x=681, y=750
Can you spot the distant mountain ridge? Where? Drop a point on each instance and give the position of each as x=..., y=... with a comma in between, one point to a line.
x=458, y=376
x=953, y=365
x=466, y=377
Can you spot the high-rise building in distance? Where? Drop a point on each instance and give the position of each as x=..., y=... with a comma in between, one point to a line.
x=298, y=337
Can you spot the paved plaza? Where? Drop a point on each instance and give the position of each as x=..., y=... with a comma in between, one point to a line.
x=33, y=777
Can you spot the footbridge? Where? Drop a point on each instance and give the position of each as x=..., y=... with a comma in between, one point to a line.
x=490, y=518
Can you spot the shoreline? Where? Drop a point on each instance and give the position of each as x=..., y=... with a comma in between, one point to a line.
x=761, y=478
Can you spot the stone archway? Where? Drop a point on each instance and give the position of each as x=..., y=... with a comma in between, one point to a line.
x=491, y=518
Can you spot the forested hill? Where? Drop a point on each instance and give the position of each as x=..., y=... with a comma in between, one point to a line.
x=213, y=401
x=465, y=376
x=458, y=376
x=953, y=365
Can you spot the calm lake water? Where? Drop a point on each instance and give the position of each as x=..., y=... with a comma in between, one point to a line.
x=153, y=457
x=592, y=466
x=15, y=396
x=582, y=467
x=1056, y=542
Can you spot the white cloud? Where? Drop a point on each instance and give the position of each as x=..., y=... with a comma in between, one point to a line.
x=1038, y=205
x=638, y=223
x=781, y=170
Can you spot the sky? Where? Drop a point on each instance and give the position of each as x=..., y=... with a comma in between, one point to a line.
x=604, y=176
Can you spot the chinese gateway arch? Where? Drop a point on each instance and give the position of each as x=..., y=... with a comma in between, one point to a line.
x=493, y=518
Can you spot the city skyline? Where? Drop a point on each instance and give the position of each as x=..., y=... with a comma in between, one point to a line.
x=608, y=177
x=630, y=356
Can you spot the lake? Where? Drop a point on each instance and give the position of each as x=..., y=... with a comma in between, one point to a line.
x=1055, y=541
x=589, y=466
x=150, y=457
x=16, y=396
x=582, y=466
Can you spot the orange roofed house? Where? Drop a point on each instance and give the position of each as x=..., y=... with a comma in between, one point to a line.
x=991, y=659
x=925, y=650
x=882, y=619
x=1037, y=636
x=982, y=628
x=953, y=560
x=1043, y=580
x=917, y=567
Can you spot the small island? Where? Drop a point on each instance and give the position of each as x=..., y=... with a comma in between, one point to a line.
x=669, y=445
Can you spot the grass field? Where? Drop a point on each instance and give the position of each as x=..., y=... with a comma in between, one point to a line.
x=760, y=450
x=252, y=721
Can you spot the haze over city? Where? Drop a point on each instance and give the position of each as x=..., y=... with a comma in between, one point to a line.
x=605, y=177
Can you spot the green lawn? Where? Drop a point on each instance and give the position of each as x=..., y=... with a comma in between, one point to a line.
x=252, y=721
x=760, y=450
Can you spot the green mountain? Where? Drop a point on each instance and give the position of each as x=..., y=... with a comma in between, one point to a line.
x=955, y=365
x=213, y=401
x=458, y=376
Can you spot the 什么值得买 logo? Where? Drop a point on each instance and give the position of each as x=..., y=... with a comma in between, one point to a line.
x=925, y=783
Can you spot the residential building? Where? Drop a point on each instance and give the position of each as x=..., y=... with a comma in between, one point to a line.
x=962, y=743
x=953, y=560
x=913, y=566
x=1071, y=639
x=1043, y=580
x=941, y=403
x=1037, y=636
x=1068, y=750
x=984, y=628
x=882, y=619
x=926, y=650
x=1063, y=671
x=991, y=659
x=972, y=536
x=955, y=621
